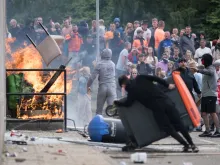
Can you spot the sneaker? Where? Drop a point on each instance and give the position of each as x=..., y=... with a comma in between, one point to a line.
x=216, y=134
x=129, y=147
x=205, y=134
x=194, y=148
x=186, y=148
x=199, y=129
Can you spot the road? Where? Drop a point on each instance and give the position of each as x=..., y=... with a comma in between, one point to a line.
x=45, y=151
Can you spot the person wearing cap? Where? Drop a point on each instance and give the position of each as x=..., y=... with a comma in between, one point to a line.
x=146, y=31
x=139, y=42
x=105, y=70
x=188, y=78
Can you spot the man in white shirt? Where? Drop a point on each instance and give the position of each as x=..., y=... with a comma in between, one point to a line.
x=147, y=32
x=201, y=51
x=123, y=60
x=121, y=67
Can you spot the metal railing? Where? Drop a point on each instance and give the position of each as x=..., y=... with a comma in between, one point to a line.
x=63, y=94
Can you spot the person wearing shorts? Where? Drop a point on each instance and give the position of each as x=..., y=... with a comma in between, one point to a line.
x=209, y=97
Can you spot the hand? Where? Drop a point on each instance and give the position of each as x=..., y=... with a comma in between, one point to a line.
x=171, y=86
x=88, y=90
x=117, y=103
x=199, y=95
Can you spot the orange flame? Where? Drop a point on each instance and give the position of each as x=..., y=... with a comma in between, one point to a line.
x=29, y=58
x=7, y=44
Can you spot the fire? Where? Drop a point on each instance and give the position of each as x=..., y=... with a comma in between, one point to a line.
x=7, y=44
x=29, y=58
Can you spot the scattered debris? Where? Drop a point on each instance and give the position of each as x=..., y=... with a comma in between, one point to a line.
x=11, y=155
x=123, y=163
x=24, y=149
x=26, y=137
x=139, y=157
x=15, y=133
x=59, y=131
x=20, y=159
x=33, y=139
x=169, y=162
x=187, y=163
x=50, y=146
x=61, y=152
x=19, y=142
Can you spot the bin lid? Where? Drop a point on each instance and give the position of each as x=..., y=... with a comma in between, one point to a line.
x=97, y=128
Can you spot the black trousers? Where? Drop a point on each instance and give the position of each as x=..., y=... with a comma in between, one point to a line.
x=168, y=119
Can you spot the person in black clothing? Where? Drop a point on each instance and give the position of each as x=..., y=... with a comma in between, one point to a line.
x=143, y=89
x=188, y=78
x=144, y=68
x=28, y=29
x=89, y=48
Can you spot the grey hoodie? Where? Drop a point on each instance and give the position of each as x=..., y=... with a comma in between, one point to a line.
x=105, y=68
x=209, y=81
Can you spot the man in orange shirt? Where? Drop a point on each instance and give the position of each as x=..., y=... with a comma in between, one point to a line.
x=75, y=43
x=140, y=43
x=159, y=34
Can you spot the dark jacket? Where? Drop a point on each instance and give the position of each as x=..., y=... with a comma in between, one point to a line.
x=187, y=43
x=144, y=69
x=144, y=90
x=189, y=80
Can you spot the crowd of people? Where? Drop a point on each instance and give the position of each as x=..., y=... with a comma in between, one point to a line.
x=139, y=48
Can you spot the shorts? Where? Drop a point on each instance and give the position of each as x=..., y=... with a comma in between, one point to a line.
x=208, y=104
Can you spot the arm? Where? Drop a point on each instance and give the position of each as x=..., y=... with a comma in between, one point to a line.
x=128, y=102
x=156, y=79
x=208, y=72
x=93, y=76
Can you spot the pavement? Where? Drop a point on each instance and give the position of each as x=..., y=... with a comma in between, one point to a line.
x=50, y=148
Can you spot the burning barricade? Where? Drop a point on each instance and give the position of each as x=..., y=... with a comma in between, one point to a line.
x=25, y=74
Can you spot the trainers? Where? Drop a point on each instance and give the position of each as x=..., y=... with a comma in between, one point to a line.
x=199, y=129
x=186, y=148
x=216, y=134
x=194, y=148
x=205, y=134
x=129, y=147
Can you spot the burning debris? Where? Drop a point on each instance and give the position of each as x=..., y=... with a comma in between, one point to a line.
x=38, y=106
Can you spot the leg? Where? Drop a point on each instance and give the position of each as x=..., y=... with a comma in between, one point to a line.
x=164, y=123
x=111, y=93
x=208, y=106
x=101, y=98
x=216, y=120
x=176, y=121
